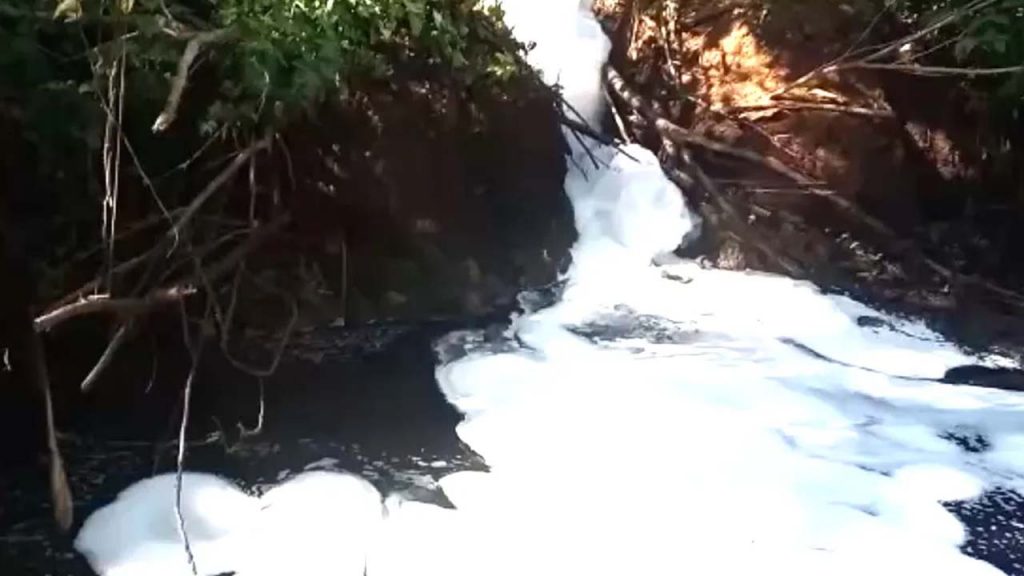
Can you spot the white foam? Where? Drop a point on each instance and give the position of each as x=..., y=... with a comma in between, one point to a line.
x=316, y=523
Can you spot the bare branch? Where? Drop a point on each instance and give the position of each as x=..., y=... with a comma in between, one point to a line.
x=819, y=106
x=104, y=304
x=120, y=337
x=226, y=174
x=196, y=353
x=919, y=70
x=192, y=48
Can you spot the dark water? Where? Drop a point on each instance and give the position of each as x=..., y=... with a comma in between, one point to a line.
x=362, y=400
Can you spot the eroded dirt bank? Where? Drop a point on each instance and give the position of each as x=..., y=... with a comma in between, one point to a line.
x=894, y=186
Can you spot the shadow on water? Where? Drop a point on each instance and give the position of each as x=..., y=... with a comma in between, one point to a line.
x=362, y=400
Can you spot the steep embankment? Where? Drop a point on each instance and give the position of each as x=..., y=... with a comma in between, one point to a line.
x=865, y=176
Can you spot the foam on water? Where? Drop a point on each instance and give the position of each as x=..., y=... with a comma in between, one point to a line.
x=733, y=450
x=768, y=429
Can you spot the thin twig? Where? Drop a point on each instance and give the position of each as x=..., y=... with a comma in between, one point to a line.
x=950, y=18
x=278, y=353
x=226, y=174
x=120, y=337
x=170, y=239
x=196, y=353
x=112, y=242
x=820, y=106
x=619, y=122
x=244, y=432
x=195, y=155
x=919, y=70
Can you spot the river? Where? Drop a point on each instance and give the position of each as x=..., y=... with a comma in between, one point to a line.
x=644, y=419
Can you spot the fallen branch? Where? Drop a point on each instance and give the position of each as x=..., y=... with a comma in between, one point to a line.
x=94, y=284
x=212, y=273
x=624, y=91
x=104, y=304
x=897, y=244
x=192, y=48
x=919, y=70
x=737, y=224
x=818, y=106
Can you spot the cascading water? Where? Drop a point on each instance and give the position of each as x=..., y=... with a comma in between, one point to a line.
x=677, y=420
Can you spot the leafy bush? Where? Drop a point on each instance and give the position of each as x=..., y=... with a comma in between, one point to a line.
x=261, y=64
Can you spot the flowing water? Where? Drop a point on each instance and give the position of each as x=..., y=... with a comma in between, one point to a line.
x=670, y=419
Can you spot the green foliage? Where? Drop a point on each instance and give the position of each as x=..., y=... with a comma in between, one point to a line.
x=279, y=58
x=292, y=53
x=276, y=60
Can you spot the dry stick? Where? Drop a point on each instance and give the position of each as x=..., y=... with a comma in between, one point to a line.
x=898, y=244
x=618, y=85
x=244, y=432
x=192, y=48
x=932, y=70
x=619, y=122
x=105, y=304
x=108, y=111
x=131, y=230
x=828, y=65
x=117, y=164
x=288, y=164
x=256, y=237
x=824, y=107
x=226, y=174
x=196, y=353
x=281, y=344
x=120, y=337
x=170, y=239
x=109, y=166
x=195, y=155
x=226, y=321
x=60, y=491
x=577, y=126
x=221, y=267
x=696, y=174
x=82, y=291
x=94, y=284
x=744, y=233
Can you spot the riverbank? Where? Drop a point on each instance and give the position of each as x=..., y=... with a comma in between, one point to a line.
x=879, y=183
